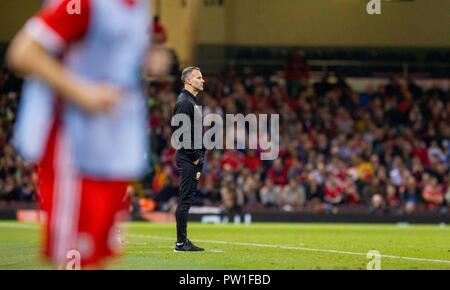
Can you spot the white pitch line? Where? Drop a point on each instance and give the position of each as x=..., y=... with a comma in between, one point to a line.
x=297, y=248
x=263, y=246
x=162, y=247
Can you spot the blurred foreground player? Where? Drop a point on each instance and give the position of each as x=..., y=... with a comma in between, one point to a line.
x=82, y=118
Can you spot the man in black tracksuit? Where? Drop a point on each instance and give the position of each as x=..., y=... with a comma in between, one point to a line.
x=189, y=160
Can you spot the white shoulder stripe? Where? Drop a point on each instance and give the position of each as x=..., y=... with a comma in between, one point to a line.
x=44, y=35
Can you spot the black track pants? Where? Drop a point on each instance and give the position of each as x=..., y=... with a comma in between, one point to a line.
x=189, y=177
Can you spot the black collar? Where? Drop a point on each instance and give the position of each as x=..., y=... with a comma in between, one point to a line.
x=189, y=93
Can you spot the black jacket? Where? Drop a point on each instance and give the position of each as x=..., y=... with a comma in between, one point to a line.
x=187, y=104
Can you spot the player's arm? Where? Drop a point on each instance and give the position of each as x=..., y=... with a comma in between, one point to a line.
x=27, y=56
x=33, y=51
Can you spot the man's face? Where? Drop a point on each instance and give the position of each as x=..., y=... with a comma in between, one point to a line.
x=196, y=80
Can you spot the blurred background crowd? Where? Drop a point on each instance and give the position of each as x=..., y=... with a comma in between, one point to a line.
x=383, y=150
x=386, y=149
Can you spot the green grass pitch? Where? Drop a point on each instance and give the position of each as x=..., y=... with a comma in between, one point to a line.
x=262, y=246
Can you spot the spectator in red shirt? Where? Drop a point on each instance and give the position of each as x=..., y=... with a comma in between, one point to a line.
x=297, y=68
x=433, y=193
x=159, y=32
x=233, y=159
x=252, y=161
x=351, y=192
x=420, y=150
x=392, y=196
x=277, y=173
x=334, y=190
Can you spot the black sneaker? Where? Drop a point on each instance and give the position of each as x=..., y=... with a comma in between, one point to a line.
x=187, y=246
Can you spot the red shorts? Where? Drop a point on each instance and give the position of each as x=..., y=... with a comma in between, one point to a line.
x=81, y=212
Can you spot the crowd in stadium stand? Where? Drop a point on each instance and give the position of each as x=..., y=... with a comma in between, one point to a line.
x=386, y=150
x=17, y=178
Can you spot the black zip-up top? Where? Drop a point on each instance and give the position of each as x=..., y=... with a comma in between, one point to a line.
x=188, y=104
